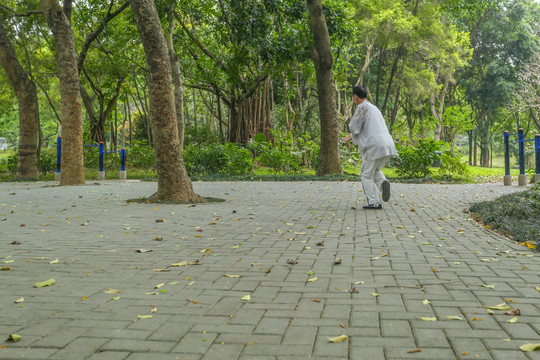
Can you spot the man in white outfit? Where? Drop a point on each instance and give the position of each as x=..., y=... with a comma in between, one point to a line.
x=370, y=133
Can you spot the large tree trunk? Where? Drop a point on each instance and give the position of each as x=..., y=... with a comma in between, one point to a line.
x=250, y=115
x=26, y=93
x=321, y=54
x=72, y=122
x=176, y=77
x=173, y=182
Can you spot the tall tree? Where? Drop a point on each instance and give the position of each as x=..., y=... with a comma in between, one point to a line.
x=106, y=68
x=176, y=75
x=503, y=41
x=68, y=74
x=321, y=55
x=173, y=182
x=26, y=93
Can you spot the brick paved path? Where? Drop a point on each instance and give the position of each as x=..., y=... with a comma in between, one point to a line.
x=421, y=246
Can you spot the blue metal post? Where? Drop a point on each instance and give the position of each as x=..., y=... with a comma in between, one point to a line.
x=101, y=156
x=521, y=138
x=58, y=153
x=506, y=153
x=123, y=159
x=537, y=147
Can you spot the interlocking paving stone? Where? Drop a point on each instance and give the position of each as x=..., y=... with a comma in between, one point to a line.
x=392, y=260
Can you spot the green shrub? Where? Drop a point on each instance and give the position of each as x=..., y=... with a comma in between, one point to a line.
x=46, y=162
x=12, y=163
x=517, y=214
x=200, y=135
x=453, y=166
x=140, y=156
x=416, y=161
x=307, y=150
x=279, y=161
x=229, y=159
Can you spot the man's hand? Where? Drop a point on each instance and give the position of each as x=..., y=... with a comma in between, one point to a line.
x=346, y=139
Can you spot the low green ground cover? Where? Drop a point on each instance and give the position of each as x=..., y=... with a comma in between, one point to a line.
x=516, y=215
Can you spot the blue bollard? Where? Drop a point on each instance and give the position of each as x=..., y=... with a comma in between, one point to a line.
x=507, y=177
x=58, y=157
x=522, y=178
x=101, y=172
x=537, y=147
x=123, y=174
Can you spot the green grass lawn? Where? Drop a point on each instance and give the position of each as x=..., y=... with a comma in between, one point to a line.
x=4, y=154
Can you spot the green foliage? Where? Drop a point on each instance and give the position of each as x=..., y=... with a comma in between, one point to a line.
x=279, y=160
x=12, y=162
x=202, y=135
x=46, y=163
x=287, y=154
x=416, y=161
x=453, y=166
x=140, y=156
x=517, y=214
x=228, y=159
x=307, y=150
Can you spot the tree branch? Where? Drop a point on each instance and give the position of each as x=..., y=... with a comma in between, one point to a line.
x=91, y=37
x=201, y=46
x=28, y=13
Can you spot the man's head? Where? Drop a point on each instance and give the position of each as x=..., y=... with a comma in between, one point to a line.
x=360, y=92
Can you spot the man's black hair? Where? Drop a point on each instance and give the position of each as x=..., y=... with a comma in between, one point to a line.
x=360, y=91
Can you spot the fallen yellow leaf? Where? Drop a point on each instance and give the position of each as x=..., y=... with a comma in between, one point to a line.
x=45, y=283
x=182, y=263
x=20, y=300
x=144, y=316
x=14, y=337
x=54, y=261
x=246, y=297
x=490, y=286
x=513, y=320
x=529, y=347
x=232, y=276
x=502, y=307
x=338, y=339
x=429, y=318
x=111, y=291
x=312, y=279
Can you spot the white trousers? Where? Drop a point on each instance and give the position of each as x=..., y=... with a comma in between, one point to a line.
x=372, y=178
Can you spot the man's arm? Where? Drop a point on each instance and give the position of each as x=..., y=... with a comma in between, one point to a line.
x=355, y=125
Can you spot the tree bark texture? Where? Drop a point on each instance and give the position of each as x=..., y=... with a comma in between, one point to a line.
x=176, y=77
x=321, y=54
x=250, y=116
x=68, y=74
x=174, y=184
x=26, y=93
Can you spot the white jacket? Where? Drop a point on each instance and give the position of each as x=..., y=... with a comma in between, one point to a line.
x=370, y=133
